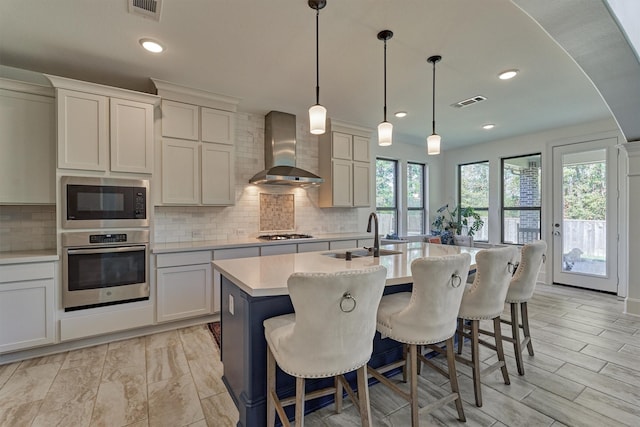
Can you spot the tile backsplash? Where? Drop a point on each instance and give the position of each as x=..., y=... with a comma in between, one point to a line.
x=198, y=223
x=277, y=212
x=27, y=227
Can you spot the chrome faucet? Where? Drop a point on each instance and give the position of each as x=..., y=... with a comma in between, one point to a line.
x=376, y=238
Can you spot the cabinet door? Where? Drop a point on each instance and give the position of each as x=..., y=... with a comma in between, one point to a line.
x=218, y=174
x=26, y=314
x=184, y=292
x=27, y=144
x=180, y=172
x=83, y=132
x=179, y=120
x=342, y=186
x=131, y=136
x=361, y=149
x=217, y=126
x=341, y=146
x=361, y=187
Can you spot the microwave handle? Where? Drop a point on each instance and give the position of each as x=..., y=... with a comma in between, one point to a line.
x=105, y=250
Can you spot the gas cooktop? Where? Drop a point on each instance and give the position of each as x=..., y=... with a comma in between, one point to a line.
x=284, y=236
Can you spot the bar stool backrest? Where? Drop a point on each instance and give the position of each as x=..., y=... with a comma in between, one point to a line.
x=438, y=284
x=335, y=321
x=524, y=280
x=485, y=297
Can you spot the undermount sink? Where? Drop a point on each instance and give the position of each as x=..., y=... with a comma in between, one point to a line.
x=359, y=253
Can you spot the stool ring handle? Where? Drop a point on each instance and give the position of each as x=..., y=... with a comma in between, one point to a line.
x=456, y=280
x=346, y=297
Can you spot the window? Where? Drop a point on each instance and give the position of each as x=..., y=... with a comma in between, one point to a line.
x=387, y=196
x=415, y=199
x=473, y=192
x=521, y=198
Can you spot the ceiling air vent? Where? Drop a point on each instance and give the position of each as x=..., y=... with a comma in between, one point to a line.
x=146, y=8
x=470, y=101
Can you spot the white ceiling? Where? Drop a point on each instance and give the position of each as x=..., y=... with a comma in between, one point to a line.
x=263, y=52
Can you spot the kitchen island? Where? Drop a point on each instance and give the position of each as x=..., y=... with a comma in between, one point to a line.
x=254, y=289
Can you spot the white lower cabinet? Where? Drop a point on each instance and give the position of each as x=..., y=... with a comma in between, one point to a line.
x=184, y=286
x=26, y=305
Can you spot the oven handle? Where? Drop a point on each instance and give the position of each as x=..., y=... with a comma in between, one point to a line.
x=105, y=250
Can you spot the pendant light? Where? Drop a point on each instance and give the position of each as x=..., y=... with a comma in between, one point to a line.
x=317, y=113
x=385, y=129
x=433, y=141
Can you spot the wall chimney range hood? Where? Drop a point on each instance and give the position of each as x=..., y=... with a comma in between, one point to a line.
x=280, y=154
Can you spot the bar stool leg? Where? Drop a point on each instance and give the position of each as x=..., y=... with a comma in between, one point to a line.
x=453, y=378
x=500, y=349
x=413, y=357
x=299, y=402
x=460, y=335
x=363, y=396
x=525, y=327
x=475, y=361
x=271, y=387
x=515, y=333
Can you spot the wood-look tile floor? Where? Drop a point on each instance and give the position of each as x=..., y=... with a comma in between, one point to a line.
x=586, y=372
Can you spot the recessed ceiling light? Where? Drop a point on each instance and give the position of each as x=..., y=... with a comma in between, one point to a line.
x=151, y=45
x=506, y=75
x=401, y=114
x=488, y=126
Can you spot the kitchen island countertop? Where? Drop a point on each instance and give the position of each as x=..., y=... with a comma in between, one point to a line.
x=267, y=276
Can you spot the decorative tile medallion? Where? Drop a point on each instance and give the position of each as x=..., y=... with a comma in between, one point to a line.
x=277, y=212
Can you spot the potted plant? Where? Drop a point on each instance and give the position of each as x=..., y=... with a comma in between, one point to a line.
x=449, y=222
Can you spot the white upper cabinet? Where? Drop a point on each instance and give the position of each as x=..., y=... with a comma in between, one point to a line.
x=345, y=164
x=131, y=136
x=198, y=153
x=218, y=126
x=180, y=120
x=101, y=128
x=27, y=143
x=83, y=131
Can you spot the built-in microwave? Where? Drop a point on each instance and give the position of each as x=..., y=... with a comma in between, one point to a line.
x=104, y=202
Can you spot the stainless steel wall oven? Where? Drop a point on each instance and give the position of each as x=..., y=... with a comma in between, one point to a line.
x=104, y=268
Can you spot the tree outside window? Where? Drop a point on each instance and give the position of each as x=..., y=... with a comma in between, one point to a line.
x=473, y=192
x=387, y=196
x=415, y=198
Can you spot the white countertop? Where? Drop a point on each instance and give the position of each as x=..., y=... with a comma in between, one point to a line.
x=158, y=248
x=20, y=257
x=267, y=275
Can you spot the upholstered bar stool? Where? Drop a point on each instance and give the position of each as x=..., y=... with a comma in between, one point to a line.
x=520, y=292
x=330, y=334
x=484, y=300
x=425, y=316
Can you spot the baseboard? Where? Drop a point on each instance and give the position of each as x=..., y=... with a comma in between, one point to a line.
x=632, y=306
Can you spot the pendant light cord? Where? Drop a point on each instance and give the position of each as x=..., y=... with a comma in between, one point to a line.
x=385, y=80
x=317, y=57
x=433, y=105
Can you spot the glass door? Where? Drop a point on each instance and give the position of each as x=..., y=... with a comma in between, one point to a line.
x=585, y=215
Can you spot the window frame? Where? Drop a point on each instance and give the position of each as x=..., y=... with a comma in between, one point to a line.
x=423, y=209
x=476, y=208
x=504, y=208
x=396, y=208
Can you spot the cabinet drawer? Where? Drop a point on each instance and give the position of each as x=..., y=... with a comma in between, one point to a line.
x=183, y=258
x=278, y=249
x=23, y=272
x=313, y=247
x=343, y=244
x=219, y=254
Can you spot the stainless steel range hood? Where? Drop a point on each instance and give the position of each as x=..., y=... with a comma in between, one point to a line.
x=280, y=153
